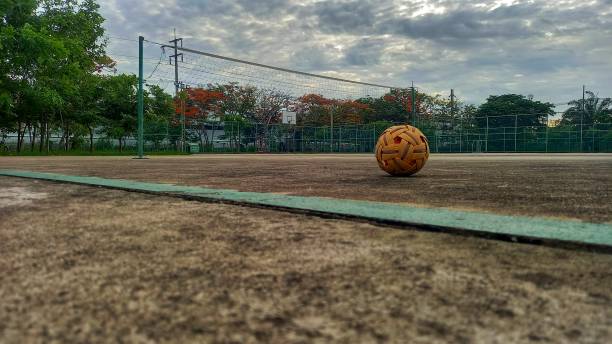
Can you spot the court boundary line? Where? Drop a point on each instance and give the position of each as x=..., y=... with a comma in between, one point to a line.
x=570, y=233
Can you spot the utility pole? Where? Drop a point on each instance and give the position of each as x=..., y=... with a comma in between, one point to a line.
x=176, y=55
x=183, y=103
x=452, y=104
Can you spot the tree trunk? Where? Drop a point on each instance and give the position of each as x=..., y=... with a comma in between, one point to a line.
x=91, y=145
x=204, y=134
x=42, y=137
x=19, y=140
x=63, y=139
x=47, y=141
x=212, y=139
x=33, y=138
x=66, y=139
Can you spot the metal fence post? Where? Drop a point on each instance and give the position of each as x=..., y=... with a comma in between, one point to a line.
x=487, y=137
x=593, y=138
x=436, y=141
x=515, y=130
x=460, y=136
x=331, y=133
x=546, y=126
x=339, y=138
x=374, y=136
x=582, y=116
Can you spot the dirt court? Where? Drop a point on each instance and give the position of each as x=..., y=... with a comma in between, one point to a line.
x=84, y=264
x=556, y=185
x=87, y=264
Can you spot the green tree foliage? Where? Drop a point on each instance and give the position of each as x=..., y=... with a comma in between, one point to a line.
x=510, y=110
x=50, y=51
x=396, y=106
x=592, y=110
x=159, y=113
x=119, y=106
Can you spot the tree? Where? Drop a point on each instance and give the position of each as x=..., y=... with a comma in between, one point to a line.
x=590, y=111
x=349, y=111
x=197, y=105
x=513, y=110
x=395, y=106
x=14, y=14
x=89, y=105
x=437, y=113
x=268, y=106
x=237, y=100
x=119, y=106
x=48, y=47
x=313, y=109
x=78, y=25
x=159, y=113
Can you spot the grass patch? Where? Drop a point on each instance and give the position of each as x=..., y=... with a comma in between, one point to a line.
x=88, y=153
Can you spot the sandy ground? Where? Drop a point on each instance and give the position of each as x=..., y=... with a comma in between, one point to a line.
x=84, y=264
x=556, y=185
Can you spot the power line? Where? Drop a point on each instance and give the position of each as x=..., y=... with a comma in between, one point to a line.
x=161, y=55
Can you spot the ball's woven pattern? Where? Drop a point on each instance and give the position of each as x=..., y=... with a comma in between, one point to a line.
x=402, y=150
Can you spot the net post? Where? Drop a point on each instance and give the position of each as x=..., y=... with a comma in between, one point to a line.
x=140, y=100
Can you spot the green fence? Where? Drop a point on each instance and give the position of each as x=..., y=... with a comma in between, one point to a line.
x=561, y=139
x=274, y=138
x=280, y=138
x=255, y=137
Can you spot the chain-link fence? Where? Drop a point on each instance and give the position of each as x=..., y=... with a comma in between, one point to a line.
x=278, y=138
x=258, y=137
x=595, y=138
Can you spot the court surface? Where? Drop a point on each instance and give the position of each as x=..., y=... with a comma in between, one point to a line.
x=555, y=185
x=90, y=264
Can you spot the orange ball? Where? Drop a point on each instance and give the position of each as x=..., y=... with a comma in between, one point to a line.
x=402, y=150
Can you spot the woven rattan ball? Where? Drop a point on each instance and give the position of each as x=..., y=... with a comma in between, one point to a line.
x=402, y=150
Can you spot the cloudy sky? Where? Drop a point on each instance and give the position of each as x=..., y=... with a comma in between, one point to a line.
x=544, y=48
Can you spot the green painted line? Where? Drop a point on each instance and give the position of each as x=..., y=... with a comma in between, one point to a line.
x=520, y=227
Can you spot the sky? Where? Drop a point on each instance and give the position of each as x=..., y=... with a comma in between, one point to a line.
x=547, y=49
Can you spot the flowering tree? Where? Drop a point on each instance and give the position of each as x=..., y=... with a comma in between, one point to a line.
x=197, y=104
x=318, y=110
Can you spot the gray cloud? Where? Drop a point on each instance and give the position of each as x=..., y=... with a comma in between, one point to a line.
x=537, y=47
x=460, y=24
x=366, y=52
x=343, y=16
